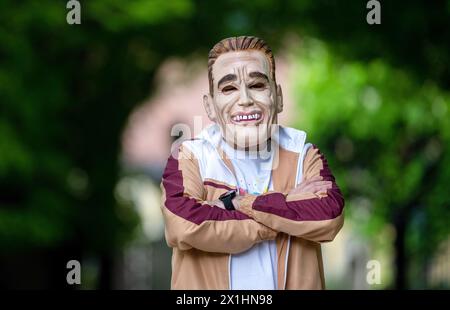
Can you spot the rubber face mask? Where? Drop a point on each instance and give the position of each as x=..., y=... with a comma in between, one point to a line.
x=246, y=99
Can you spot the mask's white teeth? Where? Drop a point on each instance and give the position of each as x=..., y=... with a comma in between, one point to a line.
x=240, y=117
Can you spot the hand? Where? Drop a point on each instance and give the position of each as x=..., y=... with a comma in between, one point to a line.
x=217, y=203
x=236, y=200
x=315, y=185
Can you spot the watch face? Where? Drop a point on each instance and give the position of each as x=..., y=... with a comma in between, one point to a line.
x=226, y=194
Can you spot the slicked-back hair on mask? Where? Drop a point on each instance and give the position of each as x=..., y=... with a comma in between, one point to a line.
x=234, y=44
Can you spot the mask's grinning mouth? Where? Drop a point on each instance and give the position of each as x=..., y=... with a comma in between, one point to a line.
x=245, y=117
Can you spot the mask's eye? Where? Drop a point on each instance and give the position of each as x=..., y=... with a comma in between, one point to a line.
x=258, y=86
x=228, y=89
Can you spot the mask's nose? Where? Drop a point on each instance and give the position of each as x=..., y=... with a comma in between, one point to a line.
x=245, y=99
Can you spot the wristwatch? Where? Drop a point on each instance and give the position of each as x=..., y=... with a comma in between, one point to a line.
x=227, y=198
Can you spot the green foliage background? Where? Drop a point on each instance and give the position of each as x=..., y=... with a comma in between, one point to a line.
x=374, y=98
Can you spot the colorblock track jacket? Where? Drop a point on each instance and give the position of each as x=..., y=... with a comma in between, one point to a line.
x=204, y=236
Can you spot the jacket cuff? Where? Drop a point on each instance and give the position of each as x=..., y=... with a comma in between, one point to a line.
x=245, y=204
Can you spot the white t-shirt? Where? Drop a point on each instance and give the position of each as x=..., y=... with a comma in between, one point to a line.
x=255, y=268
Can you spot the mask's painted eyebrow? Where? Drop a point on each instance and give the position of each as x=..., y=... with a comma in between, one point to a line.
x=227, y=78
x=257, y=74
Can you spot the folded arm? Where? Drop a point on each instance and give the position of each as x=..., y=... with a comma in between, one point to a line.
x=316, y=216
x=191, y=222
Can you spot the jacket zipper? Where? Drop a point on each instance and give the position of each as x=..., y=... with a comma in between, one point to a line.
x=299, y=166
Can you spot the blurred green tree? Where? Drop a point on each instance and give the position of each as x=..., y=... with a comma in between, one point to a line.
x=388, y=139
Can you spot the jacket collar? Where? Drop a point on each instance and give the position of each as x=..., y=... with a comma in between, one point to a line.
x=288, y=138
